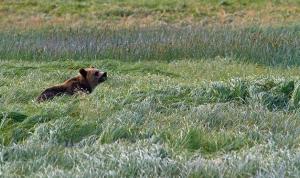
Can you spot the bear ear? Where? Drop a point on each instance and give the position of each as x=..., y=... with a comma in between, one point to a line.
x=83, y=72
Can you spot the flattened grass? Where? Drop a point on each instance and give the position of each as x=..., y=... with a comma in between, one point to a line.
x=148, y=123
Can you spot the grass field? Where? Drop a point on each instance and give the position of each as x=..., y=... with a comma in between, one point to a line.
x=124, y=13
x=194, y=89
x=259, y=45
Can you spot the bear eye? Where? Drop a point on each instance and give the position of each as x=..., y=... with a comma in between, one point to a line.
x=97, y=73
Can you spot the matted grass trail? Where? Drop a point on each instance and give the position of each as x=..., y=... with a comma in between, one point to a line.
x=151, y=119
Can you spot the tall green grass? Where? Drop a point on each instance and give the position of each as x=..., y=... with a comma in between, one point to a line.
x=267, y=46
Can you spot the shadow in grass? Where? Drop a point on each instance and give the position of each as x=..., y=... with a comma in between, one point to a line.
x=75, y=133
x=15, y=116
x=11, y=128
x=211, y=142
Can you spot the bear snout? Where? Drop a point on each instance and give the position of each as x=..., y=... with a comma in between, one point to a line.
x=103, y=77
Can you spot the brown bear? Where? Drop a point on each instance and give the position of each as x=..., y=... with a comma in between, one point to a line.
x=85, y=82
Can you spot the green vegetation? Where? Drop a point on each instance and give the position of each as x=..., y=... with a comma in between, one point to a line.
x=269, y=46
x=178, y=118
x=194, y=89
x=120, y=13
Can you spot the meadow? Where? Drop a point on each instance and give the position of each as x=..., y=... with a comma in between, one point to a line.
x=191, y=92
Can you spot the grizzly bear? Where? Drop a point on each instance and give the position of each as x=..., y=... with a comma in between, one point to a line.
x=85, y=82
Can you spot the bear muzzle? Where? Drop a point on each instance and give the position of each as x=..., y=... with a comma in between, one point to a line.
x=103, y=77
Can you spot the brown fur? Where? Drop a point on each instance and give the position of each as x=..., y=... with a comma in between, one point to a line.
x=85, y=82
